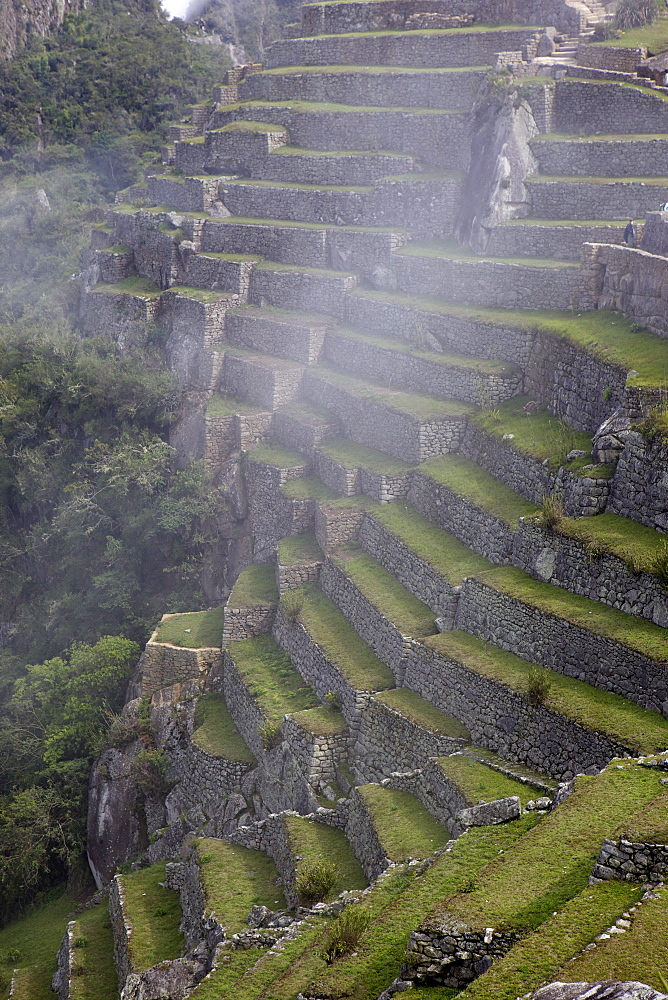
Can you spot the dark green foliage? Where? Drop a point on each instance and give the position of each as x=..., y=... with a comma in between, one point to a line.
x=315, y=878
x=636, y=13
x=345, y=933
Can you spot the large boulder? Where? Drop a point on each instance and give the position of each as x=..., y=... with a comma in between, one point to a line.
x=610, y=989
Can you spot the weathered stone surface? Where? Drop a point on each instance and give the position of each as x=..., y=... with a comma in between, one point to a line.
x=607, y=990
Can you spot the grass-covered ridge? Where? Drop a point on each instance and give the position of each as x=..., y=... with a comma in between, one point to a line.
x=411, y=403
x=322, y=721
x=357, y=456
x=640, y=729
x=405, y=829
x=269, y=453
x=340, y=643
x=192, y=630
x=634, y=543
x=471, y=483
x=95, y=975
x=216, y=732
x=33, y=939
x=299, y=549
x=154, y=914
x=477, y=782
x=255, y=587
x=234, y=879
x=411, y=706
x=270, y=678
x=311, y=841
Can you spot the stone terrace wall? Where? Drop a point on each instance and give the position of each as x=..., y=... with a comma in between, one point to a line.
x=242, y=706
x=446, y=952
x=628, y=280
x=244, y=623
x=640, y=485
x=124, y=317
x=631, y=861
x=612, y=158
x=364, y=840
x=317, y=756
x=162, y=664
x=542, y=638
x=504, y=721
x=613, y=107
x=610, y=57
x=121, y=928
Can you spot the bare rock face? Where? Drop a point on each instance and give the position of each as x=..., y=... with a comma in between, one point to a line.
x=23, y=19
x=610, y=438
x=610, y=989
x=169, y=979
x=114, y=832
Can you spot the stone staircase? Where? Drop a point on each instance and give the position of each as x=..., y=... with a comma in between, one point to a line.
x=470, y=601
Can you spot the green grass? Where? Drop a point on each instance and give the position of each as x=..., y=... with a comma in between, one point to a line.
x=540, y=435
x=653, y=37
x=607, y=335
x=451, y=250
x=252, y=127
x=318, y=842
x=644, y=181
x=386, y=594
x=234, y=879
x=227, y=406
x=299, y=549
x=270, y=678
x=36, y=937
x=649, y=825
x=141, y=287
x=269, y=453
x=477, y=782
x=328, y=107
x=412, y=404
x=373, y=70
x=216, y=732
x=539, y=956
x=341, y=644
x=94, y=970
x=561, y=223
x=233, y=258
x=404, y=827
x=443, y=552
x=323, y=272
x=255, y=587
x=201, y=294
x=552, y=863
x=634, y=543
x=226, y=975
x=307, y=488
x=193, y=630
x=409, y=704
x=635, y=633
x=638, y=728
x=322, y=721
x=236, y=220
x=358, y=456
x=640, y=954
x=346, y=189
x=469, y=482
x=473, y=29
x=154, y=914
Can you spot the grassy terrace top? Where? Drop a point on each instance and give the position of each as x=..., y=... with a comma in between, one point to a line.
x=310, y=841
x=326, y=107
x=140, y=287
x=228, y=406
x=610, y=336
x=236, y=220
x=193, y=630
x=385, y=593
x=234, y=879
x=275, y=455
x=298, y=549
x=255, y=587
x=154, y=914
x=404, y=827
x=251, y=127
x=358, y=456
x=270, y=677
x=569, y=179
x=634, y=727
x=653, y=37
x=649, y=825
x=368, y=70
x=412, y=404
x=414, y=708
x=552, y=862
x=322, y=188
x=469, y=482
x=440, y=550
x=477, y=782
x=340, y=643
x=635, y=633
x=216, y=732
x=474, y=29
x=322, y=721
x=443, y=358
x=201, y=294
x=307, y=488
x=539, y=435
x=635, y=543
x=451, y=250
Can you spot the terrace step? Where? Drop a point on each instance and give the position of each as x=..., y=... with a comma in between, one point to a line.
x=438, y=137
x=229, y=149
x=445, y=375
x=311, y=166
x=280, y=332
x=449, y=271
x=311, y=843
x=601, y=155
x=269, y=382
x=561, y=239
x=304, y=427
x=410, y=427
x=306, y=289
x=523, y=775
x=358, y=15
x=614, y=197
x=576, y=727
x=349, y=469
x=153, y=938
x=220, y=272
x=568, y=633
x=307, y=244
x=379, y=86
x=610, y=108
x=435, y=48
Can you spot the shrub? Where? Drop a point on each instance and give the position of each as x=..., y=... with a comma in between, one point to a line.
x=291, y=605
x=345, y=933
x=271, y=734
x=538, y=687
x=333, y=700
x=552, y=511
x=149, y=771
x=81, y=942
x=606, y=395
x=636, y=13
x=315, y=878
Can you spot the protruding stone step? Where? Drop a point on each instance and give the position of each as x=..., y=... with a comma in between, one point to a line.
x=299, y=202
x=601, y=155
x=349, y=468
x=311, y=166
x=407, y=426
x=612, y=108
x=267, y=381
x=229, y=149
x=580, y=198
x=304, y=427
x=558, y=238
x=185, y=194
x=272, y=514
x=307, y=289
x=374, y=86
x=448, y=376
x=220, y=272
x=251, y=607
x=447, y=270
x=282, y=333
x=298, y=561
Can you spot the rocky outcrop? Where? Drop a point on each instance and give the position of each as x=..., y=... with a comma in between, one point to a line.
x=21, y=20
x=610, y=989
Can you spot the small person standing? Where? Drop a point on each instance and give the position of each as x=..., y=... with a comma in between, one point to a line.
x=630, y=234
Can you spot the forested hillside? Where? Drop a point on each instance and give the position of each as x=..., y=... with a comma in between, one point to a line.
x=251, y=24
x=98, y=536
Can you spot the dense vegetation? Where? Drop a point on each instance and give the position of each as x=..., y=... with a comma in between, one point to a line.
x=99, y=534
